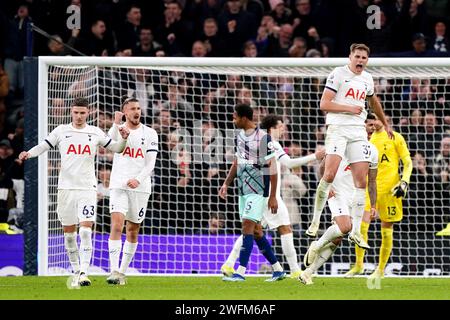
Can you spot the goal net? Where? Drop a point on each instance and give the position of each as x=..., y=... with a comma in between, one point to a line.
x=188, y=229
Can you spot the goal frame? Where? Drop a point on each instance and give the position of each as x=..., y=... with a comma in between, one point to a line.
x=44, y=62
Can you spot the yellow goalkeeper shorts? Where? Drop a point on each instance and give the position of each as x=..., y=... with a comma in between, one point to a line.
x=390, y=208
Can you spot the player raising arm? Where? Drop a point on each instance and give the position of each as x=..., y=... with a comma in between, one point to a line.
x=344, y=99
x=130, y=186
x=280, y=221
x=77, y=143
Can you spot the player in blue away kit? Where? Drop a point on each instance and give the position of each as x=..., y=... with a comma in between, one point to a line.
x=256, y=169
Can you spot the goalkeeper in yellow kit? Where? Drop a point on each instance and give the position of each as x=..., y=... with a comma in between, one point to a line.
x=391, y=188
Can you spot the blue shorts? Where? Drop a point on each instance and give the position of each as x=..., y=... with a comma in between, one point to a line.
x=252, y=207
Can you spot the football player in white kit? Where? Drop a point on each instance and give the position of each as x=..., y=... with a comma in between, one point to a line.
x=344, y=99
x=130, y=186
x=343, y=220
x=274, y=126
x=77, y=184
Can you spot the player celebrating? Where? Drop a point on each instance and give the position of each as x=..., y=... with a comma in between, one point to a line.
x=280, y=221
x=343, y=99
x=391, y=189
x=340, y=204
x=77, y=184
x=254, y=165
x=130, y=186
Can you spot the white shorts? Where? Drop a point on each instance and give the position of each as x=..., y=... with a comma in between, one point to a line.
x=348, y=142
x=75, y=206
x=339, y=206
x=132, y=204
x=281, y=218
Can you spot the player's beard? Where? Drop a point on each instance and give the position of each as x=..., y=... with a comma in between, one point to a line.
x=135, y=121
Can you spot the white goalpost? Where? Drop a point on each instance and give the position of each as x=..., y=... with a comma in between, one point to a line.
x=188, y=230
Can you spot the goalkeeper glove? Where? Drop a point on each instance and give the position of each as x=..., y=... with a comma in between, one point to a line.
x=400, y=189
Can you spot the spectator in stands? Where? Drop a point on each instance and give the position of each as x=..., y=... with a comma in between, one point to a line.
x=181, y=111
x=419, y=44
x=430, y=140
x=440, y=42
x=379, y=38
x=313, y=53
x=176, y=33
x=15, y=49
x=147, y=46
x=301, y=18
x=210, y=38
x=216, y=224
x=199, y=49
x=441, y=162
x=127, y=33
x=280, y=13
x=250, y=49
x=279, y=43
x=235, y=27
x=298, y=48
x=97, y=42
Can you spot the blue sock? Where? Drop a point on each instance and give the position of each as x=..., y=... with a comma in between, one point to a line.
x=266, y=250
x=246, y=250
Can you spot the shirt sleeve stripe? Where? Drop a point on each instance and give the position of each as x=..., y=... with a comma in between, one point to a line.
x=107, y=143
x=281, y=156
x=48, y=142
x=152, y=150
x=331, y=88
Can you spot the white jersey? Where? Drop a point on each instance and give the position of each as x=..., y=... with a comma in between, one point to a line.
x=78, y=148
x=133, y=162
x=343, y=184
x=350, y=89
x=279, y=152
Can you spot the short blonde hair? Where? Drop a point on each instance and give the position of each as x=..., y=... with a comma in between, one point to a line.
x=359, y=46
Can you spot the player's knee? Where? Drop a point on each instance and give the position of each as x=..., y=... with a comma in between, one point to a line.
x=345, y=227
x=116, y=228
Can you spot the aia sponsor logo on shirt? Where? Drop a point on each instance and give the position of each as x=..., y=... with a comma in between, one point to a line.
x=133, y=153
x=79, y=149
x=356, y=94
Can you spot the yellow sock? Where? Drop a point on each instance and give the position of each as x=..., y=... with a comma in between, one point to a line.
x=358, y=251
x=386, y=246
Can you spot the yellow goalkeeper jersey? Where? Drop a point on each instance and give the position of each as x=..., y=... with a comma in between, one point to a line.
x=390, y=152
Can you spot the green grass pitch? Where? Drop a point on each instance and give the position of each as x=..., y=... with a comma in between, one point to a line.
x=213, y=288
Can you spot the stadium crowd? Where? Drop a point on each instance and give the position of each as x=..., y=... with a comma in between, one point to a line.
x=185, y=192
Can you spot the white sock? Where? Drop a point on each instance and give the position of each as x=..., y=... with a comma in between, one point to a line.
x=287, y=245
x=85, y=248
x=241, y=270
x=324, y=254
x=358, y=204
x=234, y=254
x=323, y=189
x=70, y=242
x=128, y=251
x=277, y=266
x=114, y=246
x=333, y=232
